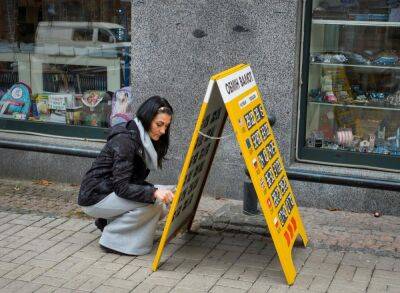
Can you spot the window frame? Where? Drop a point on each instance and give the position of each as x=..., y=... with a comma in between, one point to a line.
x=325, y=156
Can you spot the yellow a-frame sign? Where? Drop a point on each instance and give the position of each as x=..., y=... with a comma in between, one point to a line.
x=234, y=93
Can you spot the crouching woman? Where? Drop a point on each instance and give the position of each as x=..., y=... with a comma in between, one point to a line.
x=114, y=189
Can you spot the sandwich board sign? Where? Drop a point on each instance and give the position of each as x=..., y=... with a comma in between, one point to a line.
x=234, y=93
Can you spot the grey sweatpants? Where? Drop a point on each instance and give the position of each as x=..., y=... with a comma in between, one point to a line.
x=131, y=225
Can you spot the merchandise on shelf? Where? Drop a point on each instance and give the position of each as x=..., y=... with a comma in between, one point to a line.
x=16, y=102
x=122, y=106
x=316, y=139
x=91, y=114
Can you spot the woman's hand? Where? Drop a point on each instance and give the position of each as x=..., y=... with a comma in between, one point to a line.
x=164, y=195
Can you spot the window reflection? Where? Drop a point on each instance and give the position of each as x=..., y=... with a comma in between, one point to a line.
x=65, y=52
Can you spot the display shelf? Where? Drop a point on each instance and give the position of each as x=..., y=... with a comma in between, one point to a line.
x=355, y=65
x=354, y=106
x=356, y=22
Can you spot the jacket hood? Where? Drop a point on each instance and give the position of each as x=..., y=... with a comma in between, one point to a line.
x=128, y=128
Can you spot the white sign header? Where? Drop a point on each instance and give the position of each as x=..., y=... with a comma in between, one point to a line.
x=235, y=84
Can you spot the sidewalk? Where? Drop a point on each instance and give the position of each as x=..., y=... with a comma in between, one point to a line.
x=47, y=245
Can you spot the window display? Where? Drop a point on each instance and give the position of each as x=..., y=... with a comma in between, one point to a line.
x=61, y=64
x=352, y=89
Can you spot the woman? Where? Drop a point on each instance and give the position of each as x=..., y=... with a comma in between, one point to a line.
x=115, y=190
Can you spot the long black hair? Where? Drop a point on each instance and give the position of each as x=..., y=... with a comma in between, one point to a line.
x=146, y=113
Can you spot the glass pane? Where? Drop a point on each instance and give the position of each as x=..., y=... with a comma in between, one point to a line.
x=61, y=61
x=353, y=99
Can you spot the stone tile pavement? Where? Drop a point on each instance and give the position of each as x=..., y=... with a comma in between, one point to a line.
x=44, y=247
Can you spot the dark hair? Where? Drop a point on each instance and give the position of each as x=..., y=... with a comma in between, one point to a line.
x=146, y=113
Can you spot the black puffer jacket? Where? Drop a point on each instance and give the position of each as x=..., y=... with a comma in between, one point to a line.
x=120, y=167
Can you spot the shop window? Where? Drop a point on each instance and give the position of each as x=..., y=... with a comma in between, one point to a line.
x=55, y=76
x=350, y=95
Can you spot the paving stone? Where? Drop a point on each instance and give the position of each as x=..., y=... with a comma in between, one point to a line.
x=10, y=229
x=161, y=289
x=254, y=260
x=222, y=289
x=13, y=286
x=46, y=264
x=4, y=282
x=374, y=287
x=25, y=257
x=234, y=284
x=64, y=234
x=38, y=245
x=18, y=271
x=42, y=222
x=360, y=259
x=161, y=281
x=186, y=266
x=197, y=282
x=141, y=263
x=108, y=289
x=67, y=275
x=144, y=288
x=192, y=252
x=241, y=273
x=345, y=272
x=50, y=234
x=74, y=225
x=184, y=290
x=46, y=289
x=32, y=274
x=168, y=275
x=8, y=218
x=51, y=281
x=348, y=285
x=125, y=272
x=363, y=275
x=208, y=270
x=92, y=283
x=385, y=263
x=56, y=223
x=140, y=275
x=320, y=284
x=77, y=281
x=120, y=283
x=393, y=289
x=390, y=277
x=303, y=281
x=63, y=290
x=321, y=269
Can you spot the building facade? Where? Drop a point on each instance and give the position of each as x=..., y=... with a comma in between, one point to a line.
x=328, y=71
